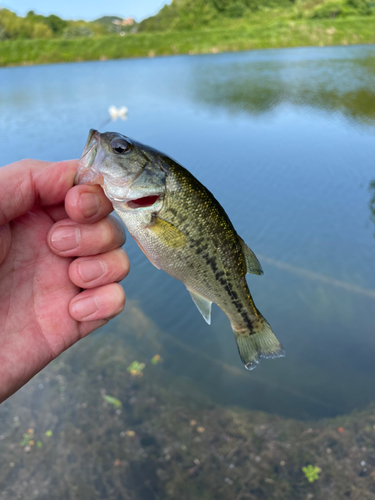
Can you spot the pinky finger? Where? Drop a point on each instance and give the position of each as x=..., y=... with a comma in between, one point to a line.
x=100, y=303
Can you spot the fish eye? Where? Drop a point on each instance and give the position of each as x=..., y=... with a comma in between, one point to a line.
x=120, y=146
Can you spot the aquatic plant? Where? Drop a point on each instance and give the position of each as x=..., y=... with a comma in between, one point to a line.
x=28, y=438
x=156, y=359
x=136, y=368
x=112, y=401
x=311, y=473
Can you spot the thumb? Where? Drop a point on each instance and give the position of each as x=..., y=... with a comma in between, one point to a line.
x=5, y=241
x=27, y=183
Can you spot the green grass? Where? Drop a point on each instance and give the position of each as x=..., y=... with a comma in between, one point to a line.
x=261, y=34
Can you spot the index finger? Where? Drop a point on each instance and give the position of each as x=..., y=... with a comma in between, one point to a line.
x=87, y=203
x=27, y=183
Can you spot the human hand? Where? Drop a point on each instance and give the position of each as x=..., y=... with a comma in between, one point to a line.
x=43, y=309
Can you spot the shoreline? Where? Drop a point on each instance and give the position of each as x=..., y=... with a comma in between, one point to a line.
x=267, y=35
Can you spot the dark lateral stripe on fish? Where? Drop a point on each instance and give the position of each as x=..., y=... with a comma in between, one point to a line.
x=211, y=261
x=219, y=274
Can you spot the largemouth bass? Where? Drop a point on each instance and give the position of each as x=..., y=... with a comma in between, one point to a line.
x=183, y=230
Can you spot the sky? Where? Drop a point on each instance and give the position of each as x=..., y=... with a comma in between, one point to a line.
x=87, y=10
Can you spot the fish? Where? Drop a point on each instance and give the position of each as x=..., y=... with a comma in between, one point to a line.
x=183, y=230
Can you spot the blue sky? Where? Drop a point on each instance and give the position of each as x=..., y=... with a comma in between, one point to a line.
x=87, y=10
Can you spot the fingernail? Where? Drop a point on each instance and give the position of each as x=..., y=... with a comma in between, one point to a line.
x=83, y=308
x=89, y=204
x=65, y=238
x=90, y=270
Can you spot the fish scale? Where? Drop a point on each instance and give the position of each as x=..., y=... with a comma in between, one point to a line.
x=183, y=230
x=217, y=244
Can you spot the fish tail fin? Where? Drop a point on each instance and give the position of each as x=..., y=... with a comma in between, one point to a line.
x=257, y=342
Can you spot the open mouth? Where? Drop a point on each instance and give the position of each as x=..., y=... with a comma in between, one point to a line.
x=147, y=201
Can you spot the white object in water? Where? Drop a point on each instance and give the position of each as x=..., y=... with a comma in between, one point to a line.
x=118, y=112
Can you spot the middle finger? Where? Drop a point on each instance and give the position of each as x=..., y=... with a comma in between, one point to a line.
x=69, y=239
x=98, y=270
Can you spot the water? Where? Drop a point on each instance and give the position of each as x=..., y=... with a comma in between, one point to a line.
x=285, y=141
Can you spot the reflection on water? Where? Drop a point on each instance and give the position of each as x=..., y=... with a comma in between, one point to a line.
x=343, y=87
x=284, y=139
x=372, y=201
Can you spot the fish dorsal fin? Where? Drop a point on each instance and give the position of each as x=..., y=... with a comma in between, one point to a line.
x=167, y=233
x=204, y=305
x=252, y=263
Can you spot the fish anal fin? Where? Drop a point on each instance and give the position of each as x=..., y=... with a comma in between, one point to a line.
x=252, y=263
x=167, y=233
x=203, y=305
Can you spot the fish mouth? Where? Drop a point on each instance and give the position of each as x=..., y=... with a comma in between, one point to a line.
x=85, y=173
x=144, y=202
x=117, y=188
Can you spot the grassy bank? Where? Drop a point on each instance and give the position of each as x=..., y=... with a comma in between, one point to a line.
x=260, y=35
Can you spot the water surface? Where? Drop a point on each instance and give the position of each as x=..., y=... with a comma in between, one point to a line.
x=285, y=141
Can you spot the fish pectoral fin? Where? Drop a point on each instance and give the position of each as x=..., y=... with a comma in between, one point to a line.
x=167, y=233
x=204, y=305
x=252, y=263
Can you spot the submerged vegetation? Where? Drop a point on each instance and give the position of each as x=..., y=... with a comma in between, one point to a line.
x=87, y=428
x=187, y=27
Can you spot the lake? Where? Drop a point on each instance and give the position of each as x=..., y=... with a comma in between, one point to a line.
x=284, y=139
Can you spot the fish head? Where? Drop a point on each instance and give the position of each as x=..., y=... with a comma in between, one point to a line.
x=128, y=172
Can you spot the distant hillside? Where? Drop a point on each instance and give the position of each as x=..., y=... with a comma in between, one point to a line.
x=115, y=24
x=191, y=14
x=107, y=20
x=197, y=14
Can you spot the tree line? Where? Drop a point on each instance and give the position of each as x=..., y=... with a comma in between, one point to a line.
x=32, y=26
